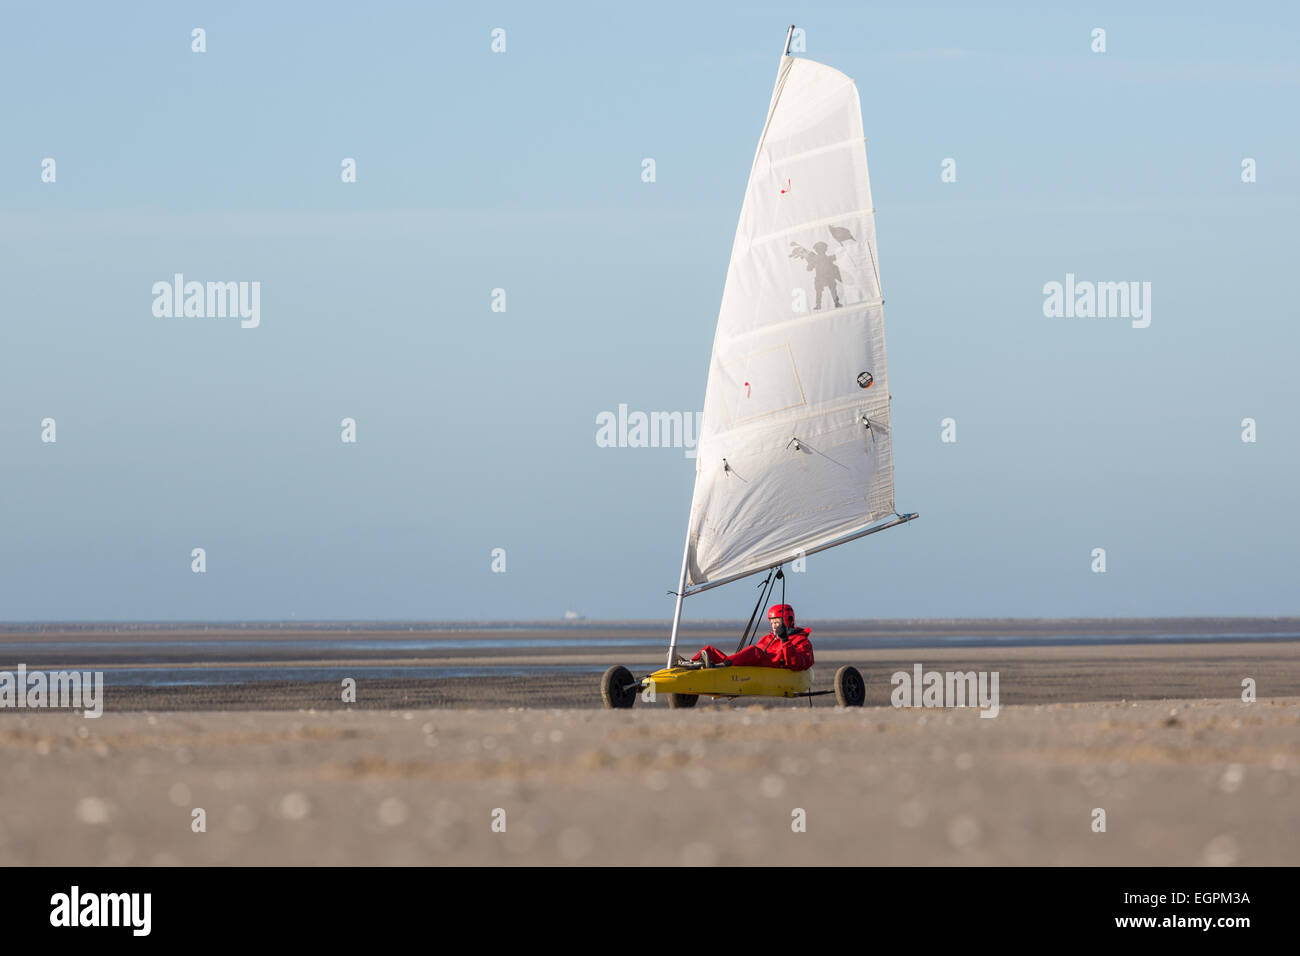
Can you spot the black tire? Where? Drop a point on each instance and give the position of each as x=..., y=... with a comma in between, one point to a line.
x=612, y=688
x=683, y=700
x=850, y=689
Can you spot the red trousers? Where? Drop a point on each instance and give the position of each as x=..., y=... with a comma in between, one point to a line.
x=749, y=657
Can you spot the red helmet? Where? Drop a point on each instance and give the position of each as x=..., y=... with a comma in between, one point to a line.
x=783, y=611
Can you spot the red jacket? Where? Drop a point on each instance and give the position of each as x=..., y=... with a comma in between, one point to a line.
x=794, y=653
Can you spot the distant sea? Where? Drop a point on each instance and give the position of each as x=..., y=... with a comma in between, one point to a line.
x=163, y=654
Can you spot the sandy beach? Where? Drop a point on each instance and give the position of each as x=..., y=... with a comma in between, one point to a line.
x=418, y=771
x=1212, y=782
x=454, y=736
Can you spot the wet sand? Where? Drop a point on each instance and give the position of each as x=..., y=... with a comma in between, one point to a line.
x=1027, y=675
x=227, y=667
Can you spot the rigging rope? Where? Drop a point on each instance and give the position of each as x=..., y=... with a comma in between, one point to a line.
x=763, y=590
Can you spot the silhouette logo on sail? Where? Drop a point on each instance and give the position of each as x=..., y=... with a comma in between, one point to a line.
x=826, y=274
x=827, y=278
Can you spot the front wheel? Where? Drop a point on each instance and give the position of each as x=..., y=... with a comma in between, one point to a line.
x=683, y=700
x=850, y=689
x=615, y=689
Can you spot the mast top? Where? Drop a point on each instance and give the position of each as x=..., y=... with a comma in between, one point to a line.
x=788, y=35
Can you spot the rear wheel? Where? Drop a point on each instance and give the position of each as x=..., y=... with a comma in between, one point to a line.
x=850, y=689
x=614, y=689
x=683, y=700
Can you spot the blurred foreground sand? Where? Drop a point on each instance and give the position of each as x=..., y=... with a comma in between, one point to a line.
x=1182, y=782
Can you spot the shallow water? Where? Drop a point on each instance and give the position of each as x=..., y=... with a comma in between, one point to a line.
x=132, y=659
x=317, y=648
x=223, y=676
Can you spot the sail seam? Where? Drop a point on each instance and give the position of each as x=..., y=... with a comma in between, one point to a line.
x=863, y=306
x=717, y=531
x=819, y=150
x=811, y=223
x=813, y=413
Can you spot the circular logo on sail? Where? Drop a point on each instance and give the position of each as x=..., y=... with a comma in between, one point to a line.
x=865, y=380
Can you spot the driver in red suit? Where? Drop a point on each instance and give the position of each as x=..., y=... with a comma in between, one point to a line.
x=787, y=646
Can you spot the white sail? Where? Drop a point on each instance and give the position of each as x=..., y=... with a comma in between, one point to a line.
x=794, y=449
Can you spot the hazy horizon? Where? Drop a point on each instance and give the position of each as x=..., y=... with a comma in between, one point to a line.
x=361, y=623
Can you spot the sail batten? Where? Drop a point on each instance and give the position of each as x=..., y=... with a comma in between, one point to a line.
x=795, y=446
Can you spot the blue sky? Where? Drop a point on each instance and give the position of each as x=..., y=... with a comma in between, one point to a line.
x=522, y=171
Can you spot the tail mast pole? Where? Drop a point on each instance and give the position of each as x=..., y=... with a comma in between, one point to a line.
x=788, y=34
x=681, y=595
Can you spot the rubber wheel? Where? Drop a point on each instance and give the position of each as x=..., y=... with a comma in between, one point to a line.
x=850, y=689
x=683, y=700
x=611, y=688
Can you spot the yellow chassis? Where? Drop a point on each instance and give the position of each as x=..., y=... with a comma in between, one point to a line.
x=731, y=681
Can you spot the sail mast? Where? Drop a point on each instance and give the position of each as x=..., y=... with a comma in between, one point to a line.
x=686, y=553
x=681, y=594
